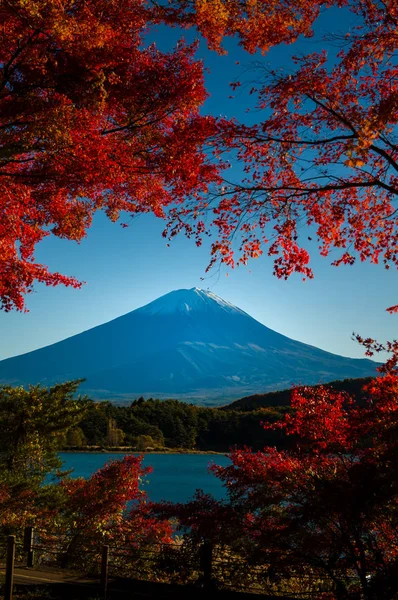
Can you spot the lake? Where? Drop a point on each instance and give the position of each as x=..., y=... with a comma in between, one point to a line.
x=175, y=477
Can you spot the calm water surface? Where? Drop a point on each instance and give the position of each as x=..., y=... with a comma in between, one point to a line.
x=175, y=477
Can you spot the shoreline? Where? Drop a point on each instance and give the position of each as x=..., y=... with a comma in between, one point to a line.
x=98, y=450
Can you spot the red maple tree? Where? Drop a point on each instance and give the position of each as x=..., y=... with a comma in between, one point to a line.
x=324, y=154
x=91, y=118
x=107, y=508
x=73, y=518
x=322, y=514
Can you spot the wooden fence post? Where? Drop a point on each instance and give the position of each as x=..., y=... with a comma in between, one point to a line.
x=104, y=571
x=9, y=567
x=206, y=562
x=28, y=545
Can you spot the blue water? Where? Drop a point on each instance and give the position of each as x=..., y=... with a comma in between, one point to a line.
x=175, y=477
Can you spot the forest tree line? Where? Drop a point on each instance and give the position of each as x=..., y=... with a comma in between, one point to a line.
x=158, y=424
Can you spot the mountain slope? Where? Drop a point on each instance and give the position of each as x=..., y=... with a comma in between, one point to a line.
x=186, y=343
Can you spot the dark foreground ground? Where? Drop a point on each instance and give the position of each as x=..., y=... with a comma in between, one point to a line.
x=55, y=584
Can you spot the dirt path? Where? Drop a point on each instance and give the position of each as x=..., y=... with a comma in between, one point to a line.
x=64, y=584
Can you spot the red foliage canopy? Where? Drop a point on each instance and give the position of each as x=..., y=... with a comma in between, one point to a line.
x=324, y=154
x=111, y=507
x=90, y=118
x=330, y=505
x=325, y=510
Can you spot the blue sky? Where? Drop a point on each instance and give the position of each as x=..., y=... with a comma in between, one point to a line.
x=127, y=268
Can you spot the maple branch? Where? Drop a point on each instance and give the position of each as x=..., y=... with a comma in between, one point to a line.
x=385, y=155
x=118, y=129
x=27, y=175
x=6, y=67
x=331, y=110
x=393, y=147
x=388, y=13
x=134, y=124
x=307, y=191
x=333, y=139
x=15, y=160
x=14, y=56
x=347, y=123
x=15, y=124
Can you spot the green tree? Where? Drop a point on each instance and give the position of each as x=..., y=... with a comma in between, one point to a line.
x=176, y=420
x=33, y=423
x=75, y=438
x=94, y=424
x=114, y=435
x=143, y=442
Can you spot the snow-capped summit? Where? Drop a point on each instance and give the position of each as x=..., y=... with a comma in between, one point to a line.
x=187, y=344
x=187, y=301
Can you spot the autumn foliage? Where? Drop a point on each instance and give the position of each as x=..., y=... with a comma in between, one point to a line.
x=73, y=517
x=323, y=151
x=330, y=506
x=323, y=512
x=108, y=508
x=92, y=117
x=257, y=24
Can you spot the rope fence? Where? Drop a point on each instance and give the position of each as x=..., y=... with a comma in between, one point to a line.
x=181, y=562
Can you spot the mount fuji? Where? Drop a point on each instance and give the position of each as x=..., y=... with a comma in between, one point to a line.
x=188, y=344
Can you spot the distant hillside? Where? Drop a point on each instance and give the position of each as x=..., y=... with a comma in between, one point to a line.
x=282, y=397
